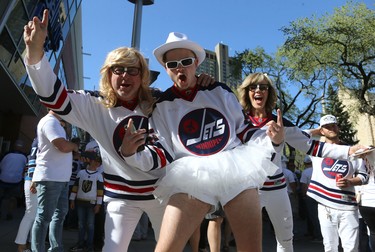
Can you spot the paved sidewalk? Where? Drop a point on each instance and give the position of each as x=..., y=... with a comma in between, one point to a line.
x=9, y=228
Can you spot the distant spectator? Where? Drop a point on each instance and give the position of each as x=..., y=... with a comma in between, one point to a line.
x=31, y=201
x=71, y=220
x=87, y=198
x=312, y=220
x=11, y=173
x=141, y=231
x=332, y=186
x=99, y=217
x=51, y=177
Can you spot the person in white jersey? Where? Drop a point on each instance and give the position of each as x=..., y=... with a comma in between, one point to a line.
x=332, y=186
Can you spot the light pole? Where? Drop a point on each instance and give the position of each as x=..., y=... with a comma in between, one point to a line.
x=136, y=35
x=137, y=20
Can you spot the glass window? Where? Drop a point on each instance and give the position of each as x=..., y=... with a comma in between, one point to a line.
x=17, y=69
x=7, y=47
x=60, y=47
x=30, y=5
x=65, y=29
x=3, y=7
x=72, y=12
x=70, y=2
x=61, y=74
x=52, y=59
x=63, y=13
x=65, y=19
x=16, y=21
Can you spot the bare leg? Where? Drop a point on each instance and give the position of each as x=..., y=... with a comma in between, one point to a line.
x=214, y=234
x=194, y=240
x=243, y=213
x=182, y=217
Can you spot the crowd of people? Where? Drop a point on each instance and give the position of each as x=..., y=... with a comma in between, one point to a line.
x=193, y=151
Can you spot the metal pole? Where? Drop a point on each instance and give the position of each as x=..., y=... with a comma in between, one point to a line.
x=136, y=36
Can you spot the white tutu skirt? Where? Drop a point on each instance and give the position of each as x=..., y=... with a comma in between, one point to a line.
x=246, y=166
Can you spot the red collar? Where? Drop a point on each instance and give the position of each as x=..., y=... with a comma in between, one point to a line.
x=131, y=105
x=187, y=94
x=259, y=121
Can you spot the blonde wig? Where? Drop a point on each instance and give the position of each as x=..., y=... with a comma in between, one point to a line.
x=128, y=57
x=253, y=79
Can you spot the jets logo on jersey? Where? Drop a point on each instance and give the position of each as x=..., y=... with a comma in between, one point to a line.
x=204, y=131
x=140, y=122
x=331, y=167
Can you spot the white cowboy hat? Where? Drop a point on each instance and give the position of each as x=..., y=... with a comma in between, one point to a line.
x=179, y=40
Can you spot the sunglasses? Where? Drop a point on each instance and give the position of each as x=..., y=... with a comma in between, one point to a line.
x=261, y=87
x=184, y=62
x=119, y=70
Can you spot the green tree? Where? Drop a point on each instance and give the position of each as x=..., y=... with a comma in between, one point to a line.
x=334, y=106
x=341, y=44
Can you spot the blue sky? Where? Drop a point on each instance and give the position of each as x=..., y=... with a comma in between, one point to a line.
x=240, y=24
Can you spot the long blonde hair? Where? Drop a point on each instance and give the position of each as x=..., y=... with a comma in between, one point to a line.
x=243, y=92
x=126, y=56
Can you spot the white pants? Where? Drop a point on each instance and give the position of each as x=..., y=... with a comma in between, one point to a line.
x=31, y=201
x=122, y=218
x=279, y=210
x=336, y=223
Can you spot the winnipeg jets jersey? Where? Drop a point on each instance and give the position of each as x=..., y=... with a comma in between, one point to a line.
x=323, y=187
x=203, y=121
x=199, y=122
x=85, y=110
x=301, y=141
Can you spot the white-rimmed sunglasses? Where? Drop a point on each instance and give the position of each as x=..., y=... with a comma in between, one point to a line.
x=184, y=62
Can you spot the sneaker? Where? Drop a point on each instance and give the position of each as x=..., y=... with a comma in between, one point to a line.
x=77, y=248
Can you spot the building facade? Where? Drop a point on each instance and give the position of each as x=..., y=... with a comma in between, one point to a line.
x=217, y=64
x=363, y=123
x=20, y=109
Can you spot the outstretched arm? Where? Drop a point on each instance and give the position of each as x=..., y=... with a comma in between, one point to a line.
x=34, y=35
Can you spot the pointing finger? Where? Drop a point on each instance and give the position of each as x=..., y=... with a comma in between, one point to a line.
x=279, y=118
x=45, y=18
x=129, y=127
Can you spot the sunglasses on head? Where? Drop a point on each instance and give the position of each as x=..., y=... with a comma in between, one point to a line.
x=120, y=70
x=184, y=62
x=261, y=87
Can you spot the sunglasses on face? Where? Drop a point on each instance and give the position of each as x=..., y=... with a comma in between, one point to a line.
x=119, y=70
x=184, y=62
x=261, y=87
